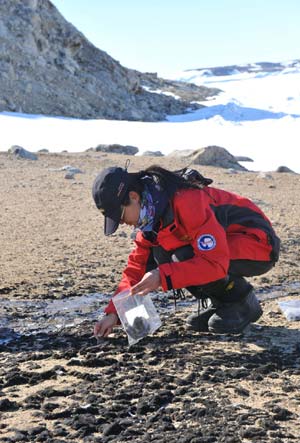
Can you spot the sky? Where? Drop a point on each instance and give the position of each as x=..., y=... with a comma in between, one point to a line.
x=168, y=36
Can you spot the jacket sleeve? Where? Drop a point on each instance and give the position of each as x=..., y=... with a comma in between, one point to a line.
x=135, y=269
x=208, y=239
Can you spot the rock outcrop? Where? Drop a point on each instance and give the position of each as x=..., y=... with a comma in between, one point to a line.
x=153, y=154
x=215, y=156
x=241, y=158
x=117, y=149
x=19, y=152
x=210, y=156
x=48, y=67
x=284, y=169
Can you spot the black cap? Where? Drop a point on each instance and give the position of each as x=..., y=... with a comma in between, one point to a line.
x=109, y=190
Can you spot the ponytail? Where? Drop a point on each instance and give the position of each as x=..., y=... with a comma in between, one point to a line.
x=170, y=181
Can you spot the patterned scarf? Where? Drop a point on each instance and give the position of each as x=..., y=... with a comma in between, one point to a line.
x=153, y=202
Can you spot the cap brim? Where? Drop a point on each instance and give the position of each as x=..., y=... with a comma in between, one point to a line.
x=112, y=222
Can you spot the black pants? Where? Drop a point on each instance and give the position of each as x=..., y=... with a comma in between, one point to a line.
x=237, y=270
x=249, y=268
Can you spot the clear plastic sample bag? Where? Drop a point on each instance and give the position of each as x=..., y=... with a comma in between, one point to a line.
x=291, y=309
x=137, y=314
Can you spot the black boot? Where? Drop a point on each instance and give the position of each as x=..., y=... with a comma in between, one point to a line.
x=238, y=306
x=199, y=321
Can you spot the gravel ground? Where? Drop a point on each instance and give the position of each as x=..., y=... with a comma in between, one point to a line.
x=175, y=386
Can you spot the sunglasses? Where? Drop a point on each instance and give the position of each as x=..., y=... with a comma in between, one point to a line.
x=122, y=213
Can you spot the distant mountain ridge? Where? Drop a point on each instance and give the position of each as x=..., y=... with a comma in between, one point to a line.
x=267, y=67
x=249, y=92
x=48, y=67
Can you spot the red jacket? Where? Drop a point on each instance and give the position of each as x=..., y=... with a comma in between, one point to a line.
x=219, y=225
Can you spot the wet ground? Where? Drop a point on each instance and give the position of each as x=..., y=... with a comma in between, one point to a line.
x=59, y=385
x=30, y=317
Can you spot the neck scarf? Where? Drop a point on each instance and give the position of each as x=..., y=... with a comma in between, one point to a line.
x=154, y=200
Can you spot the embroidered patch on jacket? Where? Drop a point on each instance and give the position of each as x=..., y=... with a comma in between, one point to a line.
x=206, y=242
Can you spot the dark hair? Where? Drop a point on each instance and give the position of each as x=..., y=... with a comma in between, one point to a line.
x=170, y=181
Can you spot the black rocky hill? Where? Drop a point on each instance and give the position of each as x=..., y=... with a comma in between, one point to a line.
x=48, y=67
